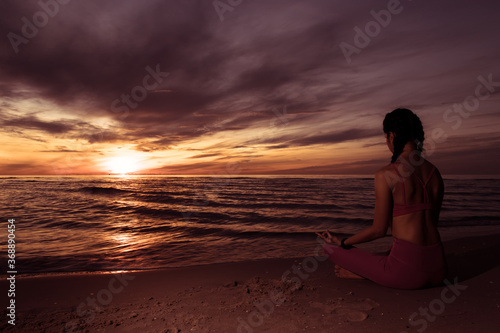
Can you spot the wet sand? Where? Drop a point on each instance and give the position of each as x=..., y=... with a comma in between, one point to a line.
x=275, y=295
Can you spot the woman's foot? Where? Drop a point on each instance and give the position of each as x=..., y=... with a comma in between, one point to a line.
x=345, y=274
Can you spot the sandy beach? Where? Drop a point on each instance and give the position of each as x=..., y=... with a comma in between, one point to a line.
x=176, y=166
x=275, y=295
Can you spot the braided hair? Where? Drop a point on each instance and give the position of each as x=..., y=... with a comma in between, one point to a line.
x=406, y=127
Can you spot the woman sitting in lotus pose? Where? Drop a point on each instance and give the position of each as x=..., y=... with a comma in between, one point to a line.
x=408, y=197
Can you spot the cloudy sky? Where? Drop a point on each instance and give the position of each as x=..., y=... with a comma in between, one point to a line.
x=244, y=87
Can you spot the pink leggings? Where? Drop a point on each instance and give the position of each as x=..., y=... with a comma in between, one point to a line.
x=408, y=265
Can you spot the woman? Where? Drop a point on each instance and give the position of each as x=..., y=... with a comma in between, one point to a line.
x=408, y=197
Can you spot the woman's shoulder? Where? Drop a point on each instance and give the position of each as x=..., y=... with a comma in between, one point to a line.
x=394, y=172
x=433, y=170
x=410, y=165
x=424, y=169
x=383, y=170
x=387, y=174
x=430, y=168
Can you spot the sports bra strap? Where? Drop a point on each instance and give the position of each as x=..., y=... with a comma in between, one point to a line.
x=430, y=175
x=424, y=184
x=401, y=180
x=403, y=209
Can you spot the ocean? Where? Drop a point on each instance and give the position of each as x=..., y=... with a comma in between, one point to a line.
x=110, y=223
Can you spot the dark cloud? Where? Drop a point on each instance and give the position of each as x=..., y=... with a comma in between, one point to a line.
x=75, y=129
x=62, y=151
x=97, y=53
x=225, y=77
x=308, y=140
x=55, y=127
x=205, y=155
x=332, y=138
x=280, y=146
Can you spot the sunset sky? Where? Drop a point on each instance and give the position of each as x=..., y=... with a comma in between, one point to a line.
x=257, y=87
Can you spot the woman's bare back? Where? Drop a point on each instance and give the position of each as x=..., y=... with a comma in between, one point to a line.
x=418, y=227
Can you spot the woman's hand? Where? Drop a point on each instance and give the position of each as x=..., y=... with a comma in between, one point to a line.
x=329, y=238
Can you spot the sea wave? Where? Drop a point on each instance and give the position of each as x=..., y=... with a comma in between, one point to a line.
x=102, y=223
x=102, y=190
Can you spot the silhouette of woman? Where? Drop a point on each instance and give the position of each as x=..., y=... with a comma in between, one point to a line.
x=408, y=197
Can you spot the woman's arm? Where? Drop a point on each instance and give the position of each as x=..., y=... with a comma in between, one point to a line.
x=383, y=212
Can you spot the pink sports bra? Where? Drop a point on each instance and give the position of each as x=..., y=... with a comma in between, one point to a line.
x=410, y=208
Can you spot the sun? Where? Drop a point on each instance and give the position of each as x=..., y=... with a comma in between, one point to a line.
x=122, y=164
